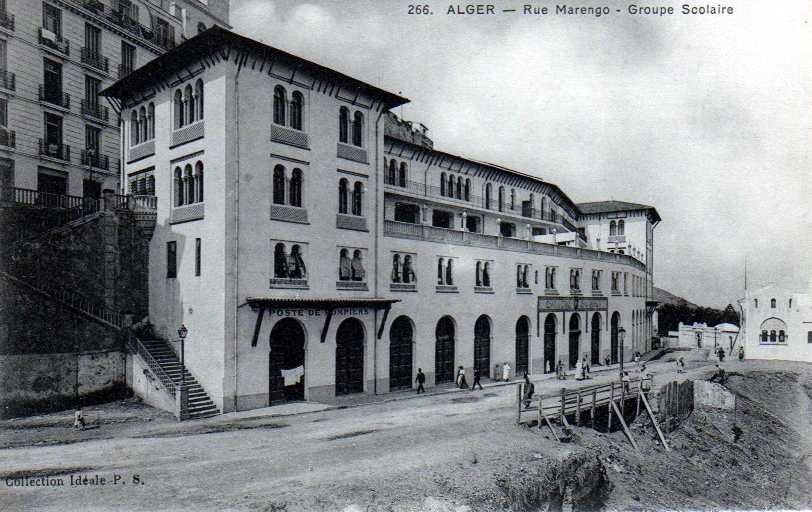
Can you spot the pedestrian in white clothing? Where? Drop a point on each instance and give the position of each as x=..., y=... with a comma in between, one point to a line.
x=506, y=372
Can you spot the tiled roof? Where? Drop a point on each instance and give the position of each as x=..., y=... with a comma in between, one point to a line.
x=616, y=206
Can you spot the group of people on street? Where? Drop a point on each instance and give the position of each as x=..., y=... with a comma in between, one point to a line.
x=582, y=369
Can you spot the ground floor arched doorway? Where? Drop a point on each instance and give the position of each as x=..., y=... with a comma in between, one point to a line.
x=286, y=362
x=401, y=340
x=350, y=357
x=595, y=334
x=482, y=345
x=444, y=351
x=549, y=343
x=575, y=339
x=522, y=345
x=615, y=326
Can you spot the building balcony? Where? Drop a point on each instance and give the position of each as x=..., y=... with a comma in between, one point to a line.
x=8, y=80
x=289, y=136
x=93, y=159
x=58, y=151
x=351, y=285
x=94, y=6
x=616, y=239
x=54, y=97
x=354, y=153
x=95, y=60
x=54, y=41
x=188, y=133
x=8, y=138
x=94, y=110
x=456, y=237
x=6, y=20
x=124, y=70
x=126, y=21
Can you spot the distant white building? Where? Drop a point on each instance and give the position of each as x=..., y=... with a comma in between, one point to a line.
x=777, y=324
x=699, y=335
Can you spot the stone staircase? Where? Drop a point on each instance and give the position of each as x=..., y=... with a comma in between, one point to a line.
x=200, y=405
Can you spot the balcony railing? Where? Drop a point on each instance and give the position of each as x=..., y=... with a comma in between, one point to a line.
x=55, y=41
x=93, y=5
x=126, y=21
x=8, y=80
x=93, y=159
x=8, y=138
x=6, y=20
x=457, y=237
x=58, y=98
x=28, y=197
x=95, y=60
x=124, y=70
x=620, y=239
x=93, y=109
x=58, y=151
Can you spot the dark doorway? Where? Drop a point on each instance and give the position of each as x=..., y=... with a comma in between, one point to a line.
x=575, y=339
x=91, y=189
x=401, y=338
x=549, y=344
x=522, y=346
x=614, y=334
x=482, y=345
x=350, y=357
x=286, y=362
x=596, y=338
x=407, y=213
x=444, y=351
x=442, y=219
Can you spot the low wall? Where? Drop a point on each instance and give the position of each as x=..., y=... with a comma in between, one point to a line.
x=143, y=384
x=35, y=383
x=710, y=395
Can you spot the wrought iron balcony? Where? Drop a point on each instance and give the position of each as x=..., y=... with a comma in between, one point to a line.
x=58, y=151
x=59, y=98
x=93, y=5
x=6, y=20
x=125, y=20
x=124, y=70
x=95, y=60
x=8, y=80
x=93, y=109
x=55, y=41
x=92, y=158
x=8, y=138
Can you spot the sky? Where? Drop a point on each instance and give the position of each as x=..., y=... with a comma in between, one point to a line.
x=707, y=118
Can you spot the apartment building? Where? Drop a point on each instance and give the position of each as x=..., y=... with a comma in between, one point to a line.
x=57, y=136
x=313, y=246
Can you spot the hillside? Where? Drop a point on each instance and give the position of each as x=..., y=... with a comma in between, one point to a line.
x=666, y=297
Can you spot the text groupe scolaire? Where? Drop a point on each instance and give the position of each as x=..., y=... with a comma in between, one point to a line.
x=597, y=11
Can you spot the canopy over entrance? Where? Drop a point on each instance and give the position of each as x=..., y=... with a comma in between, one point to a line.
x=329, y=305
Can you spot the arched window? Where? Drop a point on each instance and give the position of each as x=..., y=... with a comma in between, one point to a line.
x=134, y=128
x=189, y=101
x=199, y=95
x=279, y=185
x=188, y=185
x=501, y=199
x=621, y=227
x=442, y=184
x=450, y=187
x=488, y=196
x=764, y=336
x=449, y=272
x=612, y=228
x=150, y=185
x=781, y=337
x=279, y=101
x=358, y=129
x=143, y=124
x=513, y=199
x=396, y=268
x=357, y=194
x=357, y=266
x=459, y=187
x=440, y=271
x=478, y=273
x=296, y=266
x=343, y=125
x=295, y=195
x=280, y=261
x=179, y=113
x=342, y=195
x=402, y=175
x=518, y=276
x=772, y=303
x=178, y=187
x=392, y=171
x=296, y=110
x=467, y=189
x=773, y=337
x=525, y=284
x=151, y=117
x=486, y=275
x=343, y=265
x=408, y=272
x=199, y=181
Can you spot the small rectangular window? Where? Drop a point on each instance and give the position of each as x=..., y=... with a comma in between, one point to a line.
x=171, y=260
x=809, y=336
x=197, y=256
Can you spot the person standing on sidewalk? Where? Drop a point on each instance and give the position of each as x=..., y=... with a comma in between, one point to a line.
x=529, y=389
x=421, y=379
x=506, y=372
x=477, y=376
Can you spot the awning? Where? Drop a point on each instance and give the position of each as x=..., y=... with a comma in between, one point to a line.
x=328, y=304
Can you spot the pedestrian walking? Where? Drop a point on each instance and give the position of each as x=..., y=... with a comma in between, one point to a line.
x=721, y=355
x=562, y=375
x=607, y=361
x=741, y=353
x=625, y=381
x=529, y=389
x=506, y=372
x=477, y=376
x=461, y=378
x=421, y=379
x=579, y=370
x=585, y=366
x=78, y=419
x=637, y=358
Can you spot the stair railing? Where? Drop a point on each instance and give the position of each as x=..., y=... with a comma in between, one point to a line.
x=137, y=347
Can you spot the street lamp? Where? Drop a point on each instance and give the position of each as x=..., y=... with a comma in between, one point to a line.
x=182, y=332
x=622, y=333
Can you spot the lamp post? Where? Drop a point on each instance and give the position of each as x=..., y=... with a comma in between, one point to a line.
x=182, y=332
x=622, y=333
